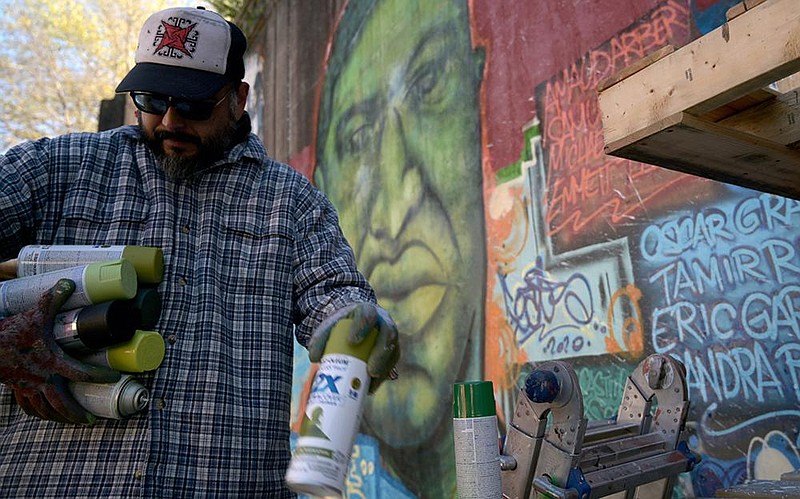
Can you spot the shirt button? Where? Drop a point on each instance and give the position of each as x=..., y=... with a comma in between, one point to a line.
x=185, y=229
x=161, y=404
x=172, y=339
x=182, y=281
x=138, y=474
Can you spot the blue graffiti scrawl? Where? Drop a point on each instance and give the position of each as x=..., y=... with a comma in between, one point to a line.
x=534, y=305
x=565, y=304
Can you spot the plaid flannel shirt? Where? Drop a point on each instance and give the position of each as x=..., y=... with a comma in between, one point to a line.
x=252, y=252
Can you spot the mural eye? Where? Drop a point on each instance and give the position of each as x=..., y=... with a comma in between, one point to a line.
x=425, y=88
x=359, y=140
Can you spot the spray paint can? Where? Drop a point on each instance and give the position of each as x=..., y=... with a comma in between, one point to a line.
x=148, y=302
x=111, y=400
x=38, y=259
x=321, y=458
x=475, y=436
x=94, y=283
x=144, y=352
x=97, y=326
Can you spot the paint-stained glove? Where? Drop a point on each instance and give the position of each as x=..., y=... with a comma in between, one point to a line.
x=37, y=370
x=365, y=316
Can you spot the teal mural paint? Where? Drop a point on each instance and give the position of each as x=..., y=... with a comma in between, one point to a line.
x=321, y=457
x=475, y=437
x=117, y=400
x=94, y=283
x=143, y=352
x=97, y=326
x=38, y=259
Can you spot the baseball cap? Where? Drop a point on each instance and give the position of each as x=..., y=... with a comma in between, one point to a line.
x=187, y=53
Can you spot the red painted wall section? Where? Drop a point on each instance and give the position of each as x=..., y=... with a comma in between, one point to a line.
x=527, y=43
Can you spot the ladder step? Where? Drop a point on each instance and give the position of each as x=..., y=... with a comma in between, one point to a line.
x=628, y=476
x=617, y=452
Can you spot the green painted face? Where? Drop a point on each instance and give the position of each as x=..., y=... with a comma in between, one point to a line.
x=400, y=160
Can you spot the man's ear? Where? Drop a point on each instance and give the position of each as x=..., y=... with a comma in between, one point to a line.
x=241, y=98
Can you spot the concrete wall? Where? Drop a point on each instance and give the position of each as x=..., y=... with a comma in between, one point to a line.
x=462, y=144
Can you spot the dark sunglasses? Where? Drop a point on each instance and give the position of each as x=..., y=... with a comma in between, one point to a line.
x=195, y=110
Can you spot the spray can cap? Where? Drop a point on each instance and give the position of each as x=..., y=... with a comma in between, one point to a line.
x=111, y=280
x=337, y=341
x=473, y=399
x=144, y=352
x=107, y=323
x=133, y=398
x=148, y=261
x=148, y=303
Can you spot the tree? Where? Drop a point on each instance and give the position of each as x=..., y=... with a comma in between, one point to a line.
x=59, y=59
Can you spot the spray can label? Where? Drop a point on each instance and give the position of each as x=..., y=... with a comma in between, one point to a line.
x=17, y=295
x=38, y=259
x=475, y=436
x=477, y=457
x=111, y=400
x=65, y=330
x=321, y=458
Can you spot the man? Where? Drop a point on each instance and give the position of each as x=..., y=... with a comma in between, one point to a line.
x=251, y=249
x=398, y=153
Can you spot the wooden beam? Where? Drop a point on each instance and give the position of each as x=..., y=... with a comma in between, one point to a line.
x=741, y=8
x=636, y=66
x=749, y=52
x=685, y=143
x=777, y=120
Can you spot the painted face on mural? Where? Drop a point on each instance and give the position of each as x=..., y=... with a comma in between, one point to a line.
x=400, y=159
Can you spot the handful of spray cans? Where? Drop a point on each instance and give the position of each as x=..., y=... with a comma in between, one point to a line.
x=107, y=321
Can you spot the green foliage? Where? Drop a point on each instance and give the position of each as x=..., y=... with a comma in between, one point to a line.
x=245, y=13
x=229, y=9
x=58, y=60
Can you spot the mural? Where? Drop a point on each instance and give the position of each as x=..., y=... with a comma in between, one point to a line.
x=462, y=144
x=399, y=71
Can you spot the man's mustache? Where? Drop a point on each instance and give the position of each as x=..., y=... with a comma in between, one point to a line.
x=183, y=137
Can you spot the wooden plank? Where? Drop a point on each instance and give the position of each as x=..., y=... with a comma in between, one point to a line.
x=788, y=84
x=8, y=270
x=636, y=66
x=735, y=11
x=762, y=489
x=741, y=104
x=741, y=8
x=749, y=52
x=685, y=143
x=777, y=120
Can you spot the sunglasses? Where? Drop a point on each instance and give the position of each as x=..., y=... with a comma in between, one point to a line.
x=195, y=110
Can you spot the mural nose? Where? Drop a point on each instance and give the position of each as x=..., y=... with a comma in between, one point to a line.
x=400, y=172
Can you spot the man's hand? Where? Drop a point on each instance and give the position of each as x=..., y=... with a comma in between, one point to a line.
x=37, y=370
x=365, y=317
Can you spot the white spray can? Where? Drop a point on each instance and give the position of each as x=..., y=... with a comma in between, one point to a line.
x=477, y=446
x=111, y=400
x=321, y=458
x=37, y=259
x=94, y=283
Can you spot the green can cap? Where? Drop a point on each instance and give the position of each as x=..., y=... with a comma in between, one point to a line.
x=111, y=280
x=148, y=262
x=144, y=352
x=473, y=399
x=337, y=341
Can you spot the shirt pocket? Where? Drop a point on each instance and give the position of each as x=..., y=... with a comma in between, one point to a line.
x=97, y=216
x=260, y=256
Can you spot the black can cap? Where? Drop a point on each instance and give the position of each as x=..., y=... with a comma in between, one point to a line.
x=108, y=323
x=148, y=302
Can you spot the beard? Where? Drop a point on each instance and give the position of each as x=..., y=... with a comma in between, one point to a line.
x=183, y=167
